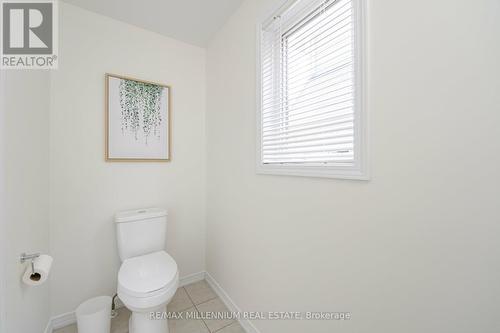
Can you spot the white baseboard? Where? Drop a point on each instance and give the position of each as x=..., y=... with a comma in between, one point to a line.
x=63, y=320
x=245, y=323
x=49, y=327
x=191, y=278
x=69, y=318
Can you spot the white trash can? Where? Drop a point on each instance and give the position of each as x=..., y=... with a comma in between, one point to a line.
x=94, y=315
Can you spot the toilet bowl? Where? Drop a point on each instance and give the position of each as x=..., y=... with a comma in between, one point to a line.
x=148, y=277
x=146, y=284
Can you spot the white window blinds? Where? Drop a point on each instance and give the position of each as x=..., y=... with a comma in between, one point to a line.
x=309, y=86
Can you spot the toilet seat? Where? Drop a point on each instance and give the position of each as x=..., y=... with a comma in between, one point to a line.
x=147, y=280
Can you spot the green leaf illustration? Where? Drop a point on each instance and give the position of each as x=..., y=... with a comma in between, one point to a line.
x=140, y=108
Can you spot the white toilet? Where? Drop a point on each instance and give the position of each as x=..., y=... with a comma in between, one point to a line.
x=148, y=276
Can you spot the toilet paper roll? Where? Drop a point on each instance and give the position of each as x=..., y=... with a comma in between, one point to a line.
x=42, y=266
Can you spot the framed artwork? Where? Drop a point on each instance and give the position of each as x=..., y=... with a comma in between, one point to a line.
x=137, y=120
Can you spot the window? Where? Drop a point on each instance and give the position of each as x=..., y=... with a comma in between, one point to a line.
x=311, y=115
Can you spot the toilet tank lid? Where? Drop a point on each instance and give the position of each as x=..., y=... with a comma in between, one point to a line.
x=139, y=214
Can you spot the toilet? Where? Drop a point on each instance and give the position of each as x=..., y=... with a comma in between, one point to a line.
x=148, y=276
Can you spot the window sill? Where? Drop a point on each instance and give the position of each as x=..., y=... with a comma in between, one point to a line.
x=320, y=172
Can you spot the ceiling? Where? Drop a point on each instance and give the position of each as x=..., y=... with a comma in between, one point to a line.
x=191, y=21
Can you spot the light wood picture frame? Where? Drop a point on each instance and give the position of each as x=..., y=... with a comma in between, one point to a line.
x=137, y=120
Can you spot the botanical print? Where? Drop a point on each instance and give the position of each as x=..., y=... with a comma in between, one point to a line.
x=140, y=107
x=138, y=119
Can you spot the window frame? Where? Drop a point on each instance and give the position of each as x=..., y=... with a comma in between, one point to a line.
x=359, y=170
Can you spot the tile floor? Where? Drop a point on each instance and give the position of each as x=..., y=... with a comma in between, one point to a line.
x=194, y=298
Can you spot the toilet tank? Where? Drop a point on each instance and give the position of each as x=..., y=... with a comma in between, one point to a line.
x=140, y=231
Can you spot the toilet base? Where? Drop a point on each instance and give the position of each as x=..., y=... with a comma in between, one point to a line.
x=141, y=322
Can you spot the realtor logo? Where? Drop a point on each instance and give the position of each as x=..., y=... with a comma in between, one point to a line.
x=29, y=34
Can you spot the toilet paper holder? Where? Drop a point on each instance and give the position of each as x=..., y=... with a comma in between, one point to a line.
x=24, y=257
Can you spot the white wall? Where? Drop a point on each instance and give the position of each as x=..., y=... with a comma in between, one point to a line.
x=85, y=190
x=26, y=163
x=413, y=250
x=3, y=215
